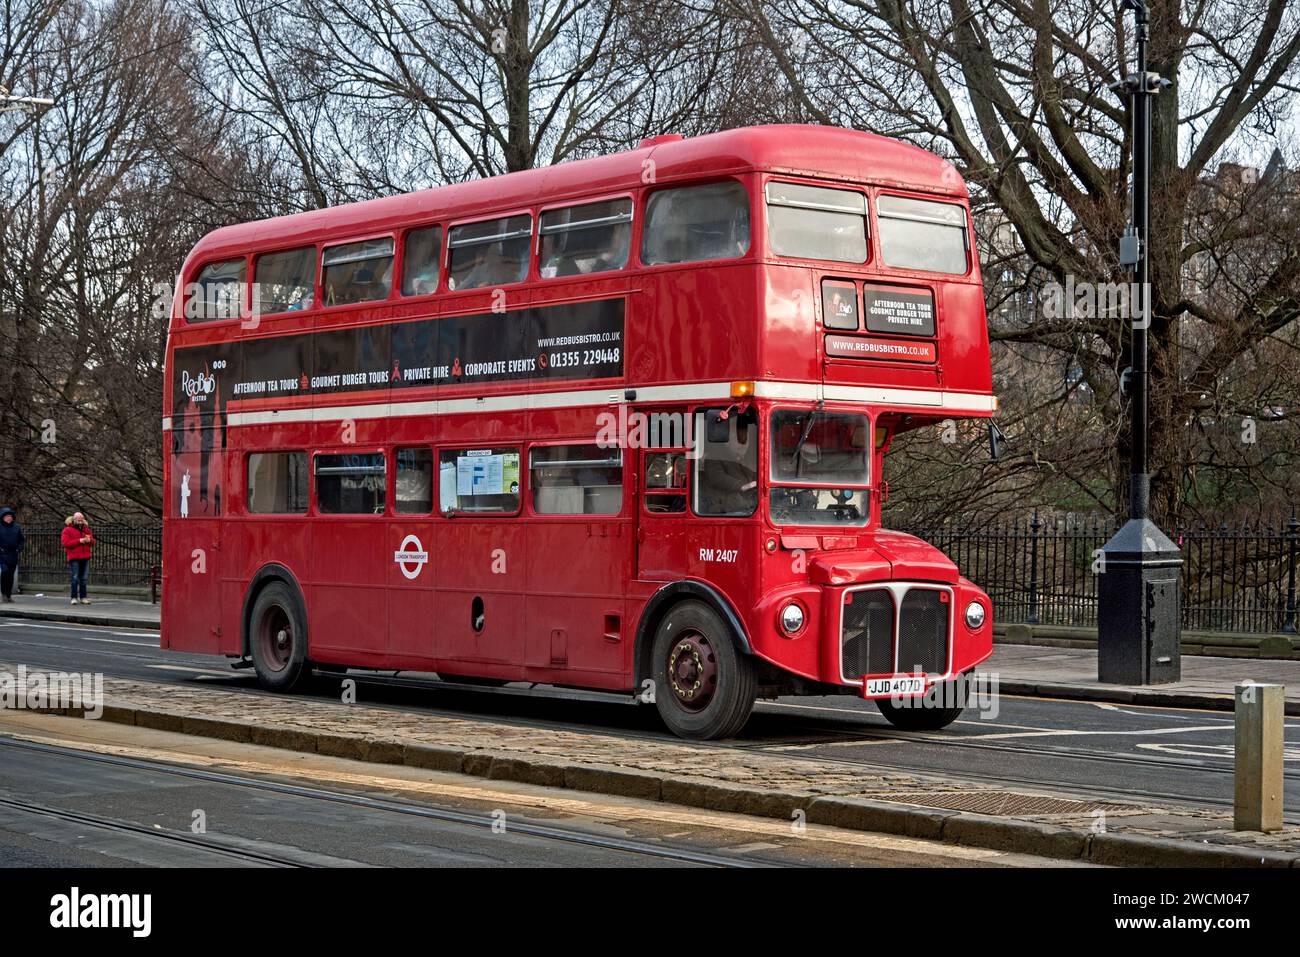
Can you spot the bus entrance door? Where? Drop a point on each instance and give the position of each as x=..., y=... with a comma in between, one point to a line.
x=662, y=534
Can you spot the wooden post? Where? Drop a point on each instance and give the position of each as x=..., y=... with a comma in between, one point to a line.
x=1259, y=721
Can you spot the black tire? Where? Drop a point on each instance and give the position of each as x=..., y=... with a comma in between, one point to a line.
x=715, y=687
x=473, y=680
x=277, y=637
x=926, y=713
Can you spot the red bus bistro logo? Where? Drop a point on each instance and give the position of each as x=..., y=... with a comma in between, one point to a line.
x=46, y=690
x=198, y=387
x=411, y=557
x=76, y=910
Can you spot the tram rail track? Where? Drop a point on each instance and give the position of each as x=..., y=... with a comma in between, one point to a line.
x=427, y=812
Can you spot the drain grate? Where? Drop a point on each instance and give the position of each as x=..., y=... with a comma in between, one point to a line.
x=1004, y=802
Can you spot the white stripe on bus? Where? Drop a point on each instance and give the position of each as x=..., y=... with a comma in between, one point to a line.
x=958, y=402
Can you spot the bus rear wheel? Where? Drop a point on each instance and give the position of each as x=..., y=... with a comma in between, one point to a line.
x=933, y=711
x=704, y=685
x=278, y=637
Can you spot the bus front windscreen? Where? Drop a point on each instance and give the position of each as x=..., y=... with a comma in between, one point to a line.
x=819, y=468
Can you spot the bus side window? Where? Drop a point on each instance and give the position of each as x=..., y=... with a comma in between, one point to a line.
x=666, y=482
x=478, y=480
x=576, y=480
x=578, y=240
x=815, y=222
x=726, y=471
x=277, y=483
x=696, y=223
x=491, y=253
x=350, y=484
x=285, y=279
x=219, y=292
x=357, y=272
x=413, y=482
x=421, y=259
x=920, y=234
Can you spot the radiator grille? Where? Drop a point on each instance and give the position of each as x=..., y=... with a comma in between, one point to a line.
x=867, y=636
x=923, y=632
x=867, y=641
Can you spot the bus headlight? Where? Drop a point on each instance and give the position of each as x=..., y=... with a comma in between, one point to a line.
x=792, y=619
x=974, y=616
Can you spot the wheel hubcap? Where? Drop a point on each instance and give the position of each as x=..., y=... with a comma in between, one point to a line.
x=276, y=639
x=692, y=671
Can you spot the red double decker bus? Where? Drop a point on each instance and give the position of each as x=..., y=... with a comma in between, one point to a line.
x=617, y=424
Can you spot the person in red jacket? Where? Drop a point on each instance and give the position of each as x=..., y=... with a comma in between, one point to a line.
x=77, y=542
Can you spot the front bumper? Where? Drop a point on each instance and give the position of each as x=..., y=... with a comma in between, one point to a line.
x=871, y=636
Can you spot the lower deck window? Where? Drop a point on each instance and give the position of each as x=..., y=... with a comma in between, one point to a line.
x=351, y=484
x=277, y=483
x=413, y=481
x=665, y=481
x=576, y=480
x=726, y=471
x=478, y=480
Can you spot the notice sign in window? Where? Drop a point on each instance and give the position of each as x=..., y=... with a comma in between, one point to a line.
x=487, y=473
x=898, y=309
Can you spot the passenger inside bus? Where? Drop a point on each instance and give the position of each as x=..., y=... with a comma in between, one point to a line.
x=491, y=265
x=580, y=252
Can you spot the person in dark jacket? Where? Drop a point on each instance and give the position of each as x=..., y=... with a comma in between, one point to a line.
x=77, y=542
x=11, y=549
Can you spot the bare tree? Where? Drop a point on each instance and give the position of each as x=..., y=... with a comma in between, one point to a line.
x=372, y=97
x=1017, y=93
x=98, y=211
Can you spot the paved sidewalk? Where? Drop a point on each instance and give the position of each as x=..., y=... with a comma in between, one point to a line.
x=52, y=606
x=1057, y=822
x=1072, y=673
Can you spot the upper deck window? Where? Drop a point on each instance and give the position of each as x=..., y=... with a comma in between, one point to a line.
x=491, y=253
x=357, y=272
x=219, y=293
x=696, y=223
x=585, y=239
x=919, y=234
x=285, y=279
x=421, y=260
x=814, y=222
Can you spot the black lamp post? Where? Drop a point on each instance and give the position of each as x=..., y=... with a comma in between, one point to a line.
x=1138, y=618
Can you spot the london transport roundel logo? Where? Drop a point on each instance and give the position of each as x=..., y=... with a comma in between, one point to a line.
x=411, y=557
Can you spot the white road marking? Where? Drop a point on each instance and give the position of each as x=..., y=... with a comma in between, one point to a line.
x=865, y=712
x=1077, y=732
x=1225, y=751
x=110, y=641
x=196, y=671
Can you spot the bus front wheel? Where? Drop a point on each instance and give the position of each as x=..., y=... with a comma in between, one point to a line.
x=278, y=636
x=704, y=685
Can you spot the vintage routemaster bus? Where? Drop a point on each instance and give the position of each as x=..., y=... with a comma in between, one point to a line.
x=617, y=424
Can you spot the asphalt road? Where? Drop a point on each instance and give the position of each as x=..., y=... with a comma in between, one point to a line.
x=1103, y=751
